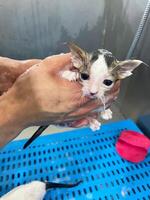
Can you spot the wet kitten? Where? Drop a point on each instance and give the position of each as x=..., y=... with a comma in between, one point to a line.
x=97, y=72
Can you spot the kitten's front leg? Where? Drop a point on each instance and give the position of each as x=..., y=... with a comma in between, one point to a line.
x=69, y=75
x=106, y=114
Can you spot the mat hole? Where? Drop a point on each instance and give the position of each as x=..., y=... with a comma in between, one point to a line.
x=122, y=180
x=13, y=166
x=44, y=152
x=127, y=179
x=96, y=188
x=94, y=167
x=113, y=172
x=137, y=176
x=103, y=175
x=90, y=189
x=117, y=196
x=148, y=186
x=146, y=174
x=87, y=179
x=133, y=191
x=109, y=155
x=58, y=175
x=30, y=172
x=67, y=147
x=92, y=177
x=14, y=158
x=62, y=197
x=113, y=163
x=142, y=175
x=73, y=194
x=13, y=176
x=117, y=182
x=1, y=178
x=29, y=162
x=143, y=187
x=79, y=192
x=84, y=190
x=122, y=170
x=108, y=174
x=7, y=177
x=112, y=183
x=104, y=165
x=8, y=159
x=133, y=178
x=19, y=164
x=6, y=187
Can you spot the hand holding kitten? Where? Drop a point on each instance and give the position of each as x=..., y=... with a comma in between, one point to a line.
x=40, y=97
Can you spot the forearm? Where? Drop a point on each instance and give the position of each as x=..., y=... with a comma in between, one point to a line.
x=11, y=69
x=18, y=66
x=10, y=119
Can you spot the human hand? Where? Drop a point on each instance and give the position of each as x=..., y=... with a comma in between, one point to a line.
x=56, y=99
x=11, y=69
x=40, y=97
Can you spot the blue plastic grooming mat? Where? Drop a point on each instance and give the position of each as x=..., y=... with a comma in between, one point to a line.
x=71, y=156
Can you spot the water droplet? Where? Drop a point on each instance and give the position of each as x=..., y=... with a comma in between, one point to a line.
x=89, y=196
x=61, y=169
x=125, y=191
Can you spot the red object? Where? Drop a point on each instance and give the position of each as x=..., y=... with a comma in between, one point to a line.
x=133, y=146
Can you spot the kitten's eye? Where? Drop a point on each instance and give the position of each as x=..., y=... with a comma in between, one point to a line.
x=84, y=76
x=108, y=82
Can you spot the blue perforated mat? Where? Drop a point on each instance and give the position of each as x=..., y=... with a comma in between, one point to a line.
x=80, y=154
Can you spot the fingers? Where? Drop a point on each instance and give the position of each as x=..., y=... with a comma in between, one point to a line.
x=87, y=108
x=83, y=122
x=57, y=62
x=79, y=123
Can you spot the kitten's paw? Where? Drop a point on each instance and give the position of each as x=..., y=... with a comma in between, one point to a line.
x=107, y=114
x=69, y=75
x=94, y=124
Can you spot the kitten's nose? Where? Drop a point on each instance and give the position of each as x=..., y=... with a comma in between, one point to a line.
x=93, y=93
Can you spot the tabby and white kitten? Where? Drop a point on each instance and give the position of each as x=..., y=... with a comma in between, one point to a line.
x=97, y=72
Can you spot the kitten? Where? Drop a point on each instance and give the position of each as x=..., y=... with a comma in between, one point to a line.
x=97, y=72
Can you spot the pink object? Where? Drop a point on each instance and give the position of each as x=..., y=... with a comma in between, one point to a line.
x=133, y=146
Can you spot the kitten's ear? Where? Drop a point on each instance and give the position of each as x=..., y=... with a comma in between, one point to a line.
x=78, y=55
x=125, y=68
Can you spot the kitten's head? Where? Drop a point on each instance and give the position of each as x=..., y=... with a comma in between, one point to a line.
x=99, y=70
